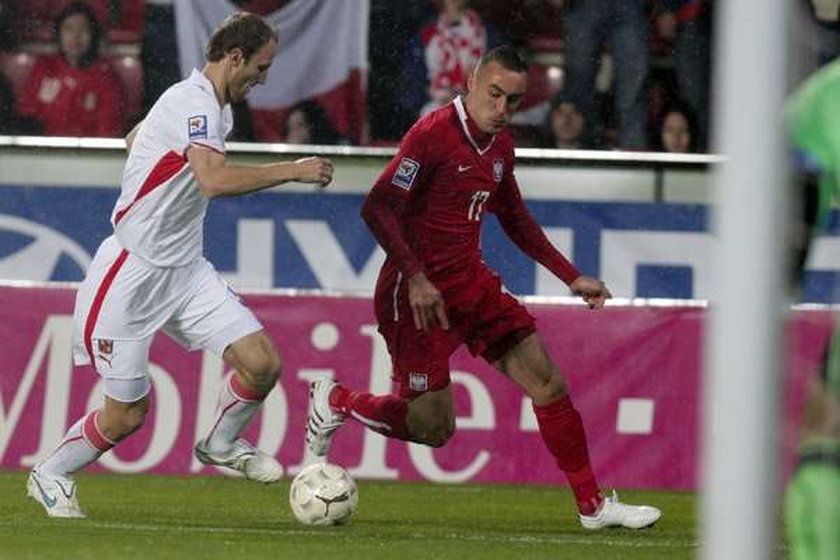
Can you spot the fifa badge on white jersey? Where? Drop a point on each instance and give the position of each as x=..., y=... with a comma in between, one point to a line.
x=197, y=126
x=498, y=169
x=418, y=381
x=406, y=173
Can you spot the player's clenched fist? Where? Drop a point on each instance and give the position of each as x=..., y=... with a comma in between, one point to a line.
x=593, y=291
x=315, y=170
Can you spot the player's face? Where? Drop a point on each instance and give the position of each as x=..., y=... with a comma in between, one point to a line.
x=75, y=37
x=246, y=75
x=494, y=96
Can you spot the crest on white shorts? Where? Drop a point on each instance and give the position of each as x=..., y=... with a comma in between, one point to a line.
x=498, y=169
x=418, y=381
x=105, y=350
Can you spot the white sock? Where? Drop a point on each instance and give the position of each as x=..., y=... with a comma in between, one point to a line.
x=237, y=405
x=81, y=446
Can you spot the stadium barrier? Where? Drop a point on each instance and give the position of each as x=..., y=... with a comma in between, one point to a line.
x=637, y=220
x=634, y=370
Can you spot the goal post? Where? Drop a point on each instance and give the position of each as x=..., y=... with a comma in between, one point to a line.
x=740, y=462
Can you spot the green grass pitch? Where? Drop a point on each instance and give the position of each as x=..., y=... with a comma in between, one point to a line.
x=201, y=517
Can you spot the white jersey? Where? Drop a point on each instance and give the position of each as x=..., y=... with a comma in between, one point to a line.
x=159, y=215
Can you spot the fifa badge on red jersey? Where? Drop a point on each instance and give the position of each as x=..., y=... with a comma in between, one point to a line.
x=418, y=381
x=406, y=173
x=197, y=126
x=498, y=169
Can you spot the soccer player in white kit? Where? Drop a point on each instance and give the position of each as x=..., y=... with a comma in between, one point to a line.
x=151, y=275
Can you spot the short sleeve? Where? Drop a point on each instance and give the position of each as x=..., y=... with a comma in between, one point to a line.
x=200, y=122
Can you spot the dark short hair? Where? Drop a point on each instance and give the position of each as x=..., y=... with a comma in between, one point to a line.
x=72, y=9
x=241, y=30
x=507, y=56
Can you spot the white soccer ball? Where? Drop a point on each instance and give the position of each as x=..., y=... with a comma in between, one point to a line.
x=323, y=494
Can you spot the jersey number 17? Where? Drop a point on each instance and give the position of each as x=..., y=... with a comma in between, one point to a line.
x=477, y=205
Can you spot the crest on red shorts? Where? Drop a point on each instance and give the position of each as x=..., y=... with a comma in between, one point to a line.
x=418, y=381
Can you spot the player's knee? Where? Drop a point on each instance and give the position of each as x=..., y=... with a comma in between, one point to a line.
x=134, y=418
x=265, y=372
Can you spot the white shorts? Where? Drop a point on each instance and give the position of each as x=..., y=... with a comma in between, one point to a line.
x=124, y=301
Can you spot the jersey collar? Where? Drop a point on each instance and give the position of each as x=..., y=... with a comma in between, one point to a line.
x=198, y=78
x=465, y=125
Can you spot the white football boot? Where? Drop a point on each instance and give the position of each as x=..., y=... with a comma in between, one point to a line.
x=616, y=514
x=245, y=458
x=322, y=421
x=56, y=493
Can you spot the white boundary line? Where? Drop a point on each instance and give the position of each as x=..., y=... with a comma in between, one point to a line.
x=559, y=539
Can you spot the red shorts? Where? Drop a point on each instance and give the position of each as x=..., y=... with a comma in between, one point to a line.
x=482, y=315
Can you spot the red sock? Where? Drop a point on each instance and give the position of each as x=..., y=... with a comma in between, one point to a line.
x=384, y=414
x=562, y=431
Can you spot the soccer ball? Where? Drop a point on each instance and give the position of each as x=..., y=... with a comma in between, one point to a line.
x=323, y=494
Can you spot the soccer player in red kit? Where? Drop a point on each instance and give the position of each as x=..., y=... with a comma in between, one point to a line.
x=435, y=292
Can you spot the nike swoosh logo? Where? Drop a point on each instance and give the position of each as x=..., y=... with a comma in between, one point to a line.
x=49, y=501
x=64, y=490
x=462, y=168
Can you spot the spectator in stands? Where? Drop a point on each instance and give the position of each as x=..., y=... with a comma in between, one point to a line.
x=7, y=102
x=687, y=25
x=7, y=30
x=565, y=125
x=623, y=25
x=443, y=54
x=74, y=92
x=308, y=123
x=676, y=131
x=10, y=123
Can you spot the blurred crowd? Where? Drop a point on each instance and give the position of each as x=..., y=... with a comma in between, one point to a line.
x=605, y=74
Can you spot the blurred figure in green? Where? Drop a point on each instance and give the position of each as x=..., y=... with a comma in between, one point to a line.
x=812, y=508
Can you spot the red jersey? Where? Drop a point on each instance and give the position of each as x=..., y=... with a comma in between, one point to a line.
x=444, y=178
x=73, y=101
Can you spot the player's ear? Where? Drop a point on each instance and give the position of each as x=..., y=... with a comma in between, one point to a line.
x=473, y=77
x=237, y=57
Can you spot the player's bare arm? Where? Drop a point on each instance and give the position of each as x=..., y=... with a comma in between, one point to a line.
x=593, y=291
x=216, y=177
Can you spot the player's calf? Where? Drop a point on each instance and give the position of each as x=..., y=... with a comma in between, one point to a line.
x=432, y=432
